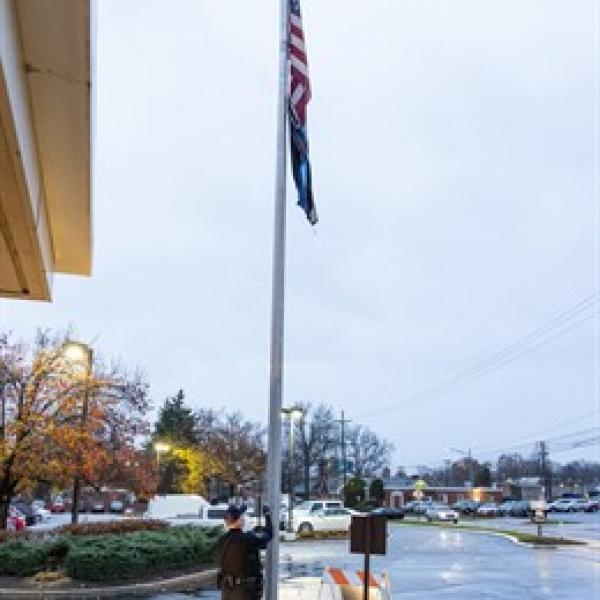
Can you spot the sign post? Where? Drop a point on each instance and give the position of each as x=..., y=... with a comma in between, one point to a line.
x=539, y=514
x=368, y=535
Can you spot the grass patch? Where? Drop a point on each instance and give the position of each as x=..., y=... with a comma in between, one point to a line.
x=528, y=538
x=322, y=535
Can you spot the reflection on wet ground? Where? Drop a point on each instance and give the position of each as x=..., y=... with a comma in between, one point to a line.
x=428, y=563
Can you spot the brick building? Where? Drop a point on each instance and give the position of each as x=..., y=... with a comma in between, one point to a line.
x=400, y=491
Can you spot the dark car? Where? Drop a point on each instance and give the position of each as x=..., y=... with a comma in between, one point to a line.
x=521, y=508
x=420, y=507
x=409, y=506
x=389, y=513
x=466, y=507
x=27, y=512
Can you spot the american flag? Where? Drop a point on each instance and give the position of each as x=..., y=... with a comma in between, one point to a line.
x=299, y=98
x=299, y=82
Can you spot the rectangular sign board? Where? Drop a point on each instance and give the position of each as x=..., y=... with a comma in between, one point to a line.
x=368, y=534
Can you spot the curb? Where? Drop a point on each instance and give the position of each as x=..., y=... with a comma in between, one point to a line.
x=515, y=540
x=182, y=583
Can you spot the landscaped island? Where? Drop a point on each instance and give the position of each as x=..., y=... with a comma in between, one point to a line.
x=110, y=552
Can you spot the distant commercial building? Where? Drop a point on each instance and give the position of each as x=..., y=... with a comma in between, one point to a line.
x=400, y=491
x=525, y=488
x=45, y=144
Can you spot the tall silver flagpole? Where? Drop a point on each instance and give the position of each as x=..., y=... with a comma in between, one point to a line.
x=277, y=313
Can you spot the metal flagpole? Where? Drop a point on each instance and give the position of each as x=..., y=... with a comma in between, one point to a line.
x=277, y=313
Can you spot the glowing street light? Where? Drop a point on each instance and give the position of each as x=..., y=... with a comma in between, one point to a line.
x=80, y=357
x=160, y=448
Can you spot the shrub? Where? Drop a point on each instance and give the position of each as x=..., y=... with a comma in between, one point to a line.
x=115, y=527
x=139, y=554
x=23, y=558
x=111, y=556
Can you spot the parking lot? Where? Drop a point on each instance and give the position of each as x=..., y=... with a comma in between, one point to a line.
x=429, y=562
x=426, y=563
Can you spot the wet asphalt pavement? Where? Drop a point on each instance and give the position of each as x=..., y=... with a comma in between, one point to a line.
x=430, y=563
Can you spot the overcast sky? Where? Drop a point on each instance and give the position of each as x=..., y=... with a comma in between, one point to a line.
x=453, y=161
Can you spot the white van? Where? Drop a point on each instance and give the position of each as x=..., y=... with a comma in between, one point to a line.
x=190, y=509
x=176, y=506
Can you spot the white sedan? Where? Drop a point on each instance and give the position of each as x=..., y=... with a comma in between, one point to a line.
x=329, y=519
x=441, y=512
x=563, y=505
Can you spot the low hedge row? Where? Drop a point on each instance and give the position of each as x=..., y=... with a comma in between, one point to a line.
x=86, y=529
x=23, y=557
x=111, y=557
x=139, y=554
x=114, y=527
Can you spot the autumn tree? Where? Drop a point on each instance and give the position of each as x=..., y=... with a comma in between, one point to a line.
x=45, y=436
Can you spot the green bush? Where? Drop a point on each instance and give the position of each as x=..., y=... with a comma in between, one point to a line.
x=111, y=556
x=138, y=554
x=23, y=558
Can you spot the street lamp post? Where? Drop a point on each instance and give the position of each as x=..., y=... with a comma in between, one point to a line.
x=80, y=356
x=160, y=448
x=292, y=414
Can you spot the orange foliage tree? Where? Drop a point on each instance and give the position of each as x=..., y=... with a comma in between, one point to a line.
x=44, y=437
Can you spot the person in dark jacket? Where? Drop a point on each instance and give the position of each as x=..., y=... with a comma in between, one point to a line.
x=240, y=574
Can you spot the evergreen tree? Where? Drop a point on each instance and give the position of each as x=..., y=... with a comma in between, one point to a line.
x=376, y=491
x=176, y=422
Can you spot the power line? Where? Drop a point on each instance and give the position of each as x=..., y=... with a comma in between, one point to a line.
x=559, y=324
x=560, y=439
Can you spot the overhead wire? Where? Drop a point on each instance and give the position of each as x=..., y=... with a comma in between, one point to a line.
x=557, y=325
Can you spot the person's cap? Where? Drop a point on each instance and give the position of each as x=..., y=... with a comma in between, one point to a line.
x=234, y=512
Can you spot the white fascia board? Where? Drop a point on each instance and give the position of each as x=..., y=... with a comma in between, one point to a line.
x=22, y=144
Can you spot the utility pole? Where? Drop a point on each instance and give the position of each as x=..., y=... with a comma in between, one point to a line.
x=342, y=423
x=545, y=476
x=471, y=468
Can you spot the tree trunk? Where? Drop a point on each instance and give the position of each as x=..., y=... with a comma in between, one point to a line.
x=4, y=503
x=306, y=477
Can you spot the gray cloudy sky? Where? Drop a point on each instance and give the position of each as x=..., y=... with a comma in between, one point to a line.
x=453, y=155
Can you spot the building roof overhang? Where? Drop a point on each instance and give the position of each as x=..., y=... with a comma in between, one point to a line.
x=45, y=144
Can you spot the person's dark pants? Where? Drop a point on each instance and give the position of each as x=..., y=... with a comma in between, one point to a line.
x=239, y=592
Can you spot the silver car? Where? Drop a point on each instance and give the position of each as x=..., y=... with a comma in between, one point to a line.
x=441, y=512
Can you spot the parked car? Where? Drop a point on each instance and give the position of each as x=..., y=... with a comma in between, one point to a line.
x=489, y=509
x=504, y=507
x=40, y=510
x=116, y=506
x=313, y=506
x=388, y=512
x=466, y=507
x=421, y=507
x=520, y=508
x=441, y=512
x=562, y=505
x=409, y=506
x=308, y=507
x=592, y=505
x=97, y=506
x=328, y=519
x=26, y=512
x=15, y=520
x=580, y=504
x=57, y=506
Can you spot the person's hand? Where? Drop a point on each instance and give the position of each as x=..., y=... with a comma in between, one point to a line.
x=266, y=511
